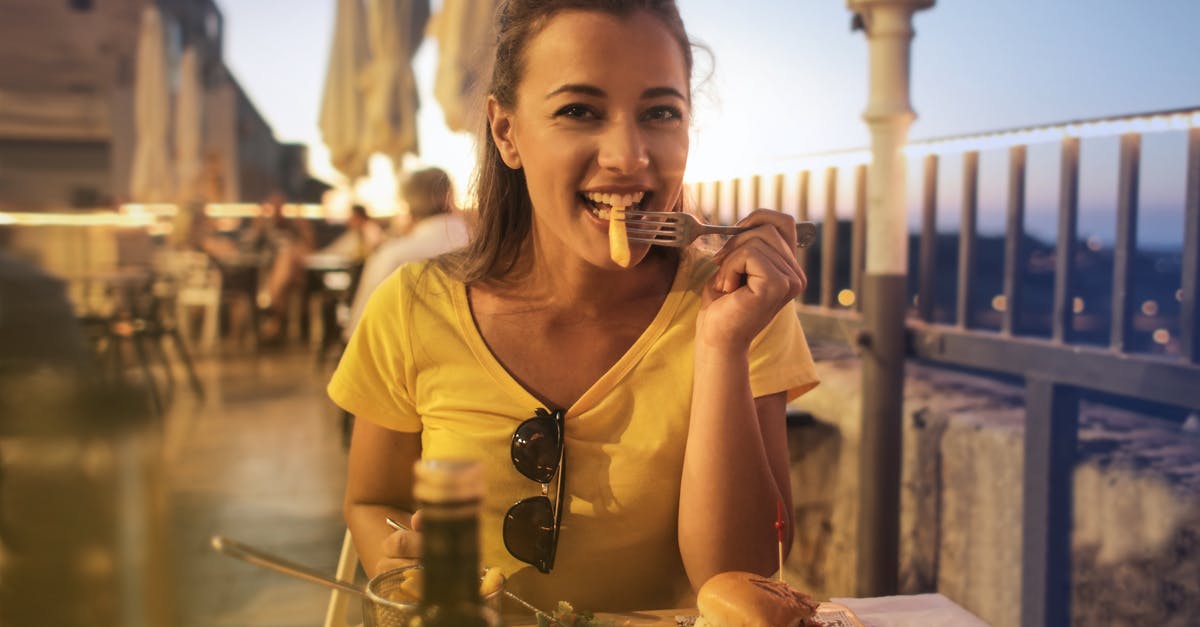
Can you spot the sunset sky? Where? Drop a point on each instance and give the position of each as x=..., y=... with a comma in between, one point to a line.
x=790, y=77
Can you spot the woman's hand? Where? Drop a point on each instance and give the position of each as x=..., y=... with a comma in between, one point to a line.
x=758, y=274
x=402, y=547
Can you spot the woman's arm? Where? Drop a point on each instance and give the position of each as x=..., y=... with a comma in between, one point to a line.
x=379, y=483
x=735, y=471
x=735, y=468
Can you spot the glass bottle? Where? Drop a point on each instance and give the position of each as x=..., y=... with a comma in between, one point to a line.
x=450, y=492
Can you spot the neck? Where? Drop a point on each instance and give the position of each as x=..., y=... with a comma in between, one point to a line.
x=574, y=285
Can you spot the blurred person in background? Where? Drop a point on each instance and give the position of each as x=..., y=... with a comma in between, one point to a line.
x=281, y=245
x=435, y=226
x=361, y=237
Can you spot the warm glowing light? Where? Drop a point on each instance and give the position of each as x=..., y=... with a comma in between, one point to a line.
x=1077, y=305
x=155, y=209
x=253, y=210
x=310, y=212
x=95, y=218
x=1179, y=295
x=999, y=302
x=846, y=298
x=1161, y=336
x=1150, y=308
x=1094, y=243
x=231, y=210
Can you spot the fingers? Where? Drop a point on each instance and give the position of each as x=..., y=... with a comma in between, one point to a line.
x=388, y=563
x=772, y=242
x=772, y=227
x=404, y=545
x=758, y=265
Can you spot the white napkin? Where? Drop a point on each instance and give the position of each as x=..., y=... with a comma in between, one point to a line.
x=911, y=610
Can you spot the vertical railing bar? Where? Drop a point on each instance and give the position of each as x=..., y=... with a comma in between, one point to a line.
x=717, y=201
x=926, y=287
x=966, y=237
x=802, y=215
x=1051, y=435
x=1014, y=242
x=1068, y=217
x=1125, y=246
x=755, y=193
x=737, y=201
x=829, y=243
x=777, y=196
x=1189, y=321
x=802, y=195
x=858, y=239
x=699, y=198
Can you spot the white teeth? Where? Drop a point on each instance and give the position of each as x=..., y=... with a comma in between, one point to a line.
x=624, y=200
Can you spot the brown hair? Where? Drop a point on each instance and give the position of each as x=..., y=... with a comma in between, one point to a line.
x=428, y=192
x=505, y=215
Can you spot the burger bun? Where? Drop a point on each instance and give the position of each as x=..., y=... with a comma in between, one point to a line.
x=741, y=599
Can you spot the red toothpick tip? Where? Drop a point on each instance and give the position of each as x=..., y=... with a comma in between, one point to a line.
x=779, y=520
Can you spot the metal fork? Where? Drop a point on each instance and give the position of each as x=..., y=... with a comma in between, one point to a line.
x=677, y=229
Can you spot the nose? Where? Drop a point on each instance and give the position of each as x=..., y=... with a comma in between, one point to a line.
x=623, y=149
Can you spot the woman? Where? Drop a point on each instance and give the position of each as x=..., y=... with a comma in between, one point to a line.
x=672, y=375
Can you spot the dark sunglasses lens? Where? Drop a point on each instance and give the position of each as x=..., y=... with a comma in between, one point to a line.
x=529, y=532
x=536, y=447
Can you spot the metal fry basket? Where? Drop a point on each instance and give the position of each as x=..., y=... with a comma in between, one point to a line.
x=386, y=604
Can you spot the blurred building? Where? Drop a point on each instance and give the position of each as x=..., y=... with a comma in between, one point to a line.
x=67, y=115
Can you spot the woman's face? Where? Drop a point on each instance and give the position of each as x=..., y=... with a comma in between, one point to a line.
x=602, y=109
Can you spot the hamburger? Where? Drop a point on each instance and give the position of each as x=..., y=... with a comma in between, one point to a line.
x=740, y=599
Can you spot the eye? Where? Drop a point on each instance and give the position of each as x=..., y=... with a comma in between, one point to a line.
x=577, y=111
x=663, y=113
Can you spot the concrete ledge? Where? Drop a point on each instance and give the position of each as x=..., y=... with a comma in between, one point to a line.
x=1137, y=499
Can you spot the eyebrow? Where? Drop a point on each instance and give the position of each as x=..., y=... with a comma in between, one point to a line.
x=591, y=90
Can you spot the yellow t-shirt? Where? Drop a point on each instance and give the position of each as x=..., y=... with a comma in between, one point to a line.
x=418, y=363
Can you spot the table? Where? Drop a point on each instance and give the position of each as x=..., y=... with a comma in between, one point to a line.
x=916, y=610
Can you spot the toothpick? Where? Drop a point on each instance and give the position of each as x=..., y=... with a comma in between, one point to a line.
x=779, y=532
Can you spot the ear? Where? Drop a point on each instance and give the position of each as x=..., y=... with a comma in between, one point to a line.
x=500, y=125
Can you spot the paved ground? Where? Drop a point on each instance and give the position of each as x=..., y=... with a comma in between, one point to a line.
x=261, y=461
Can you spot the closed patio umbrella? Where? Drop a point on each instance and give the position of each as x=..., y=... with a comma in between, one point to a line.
x=152, y=177
x=395, y=29
x=342, y=116
x=463, y=29
x=188, y=128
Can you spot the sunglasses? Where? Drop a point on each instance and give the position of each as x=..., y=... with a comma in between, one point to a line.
x=531, y=525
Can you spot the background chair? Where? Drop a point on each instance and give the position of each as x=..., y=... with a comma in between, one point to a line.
x=343, y=606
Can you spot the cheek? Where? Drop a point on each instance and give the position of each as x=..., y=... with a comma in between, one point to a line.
x=551, y=160
x=670, y=152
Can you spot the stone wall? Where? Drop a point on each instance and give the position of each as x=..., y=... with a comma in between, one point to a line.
x=1136, y=538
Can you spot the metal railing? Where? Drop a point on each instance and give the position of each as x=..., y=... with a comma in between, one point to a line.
x=1058, y=369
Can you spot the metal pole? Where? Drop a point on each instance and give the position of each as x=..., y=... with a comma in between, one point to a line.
x=888, y=26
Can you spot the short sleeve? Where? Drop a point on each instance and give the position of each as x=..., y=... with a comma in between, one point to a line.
x=780, y=359
x=372, y=380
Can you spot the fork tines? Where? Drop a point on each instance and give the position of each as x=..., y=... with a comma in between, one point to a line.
x=665, y=228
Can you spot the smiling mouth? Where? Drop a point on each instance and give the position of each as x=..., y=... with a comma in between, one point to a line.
x=601, y=204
